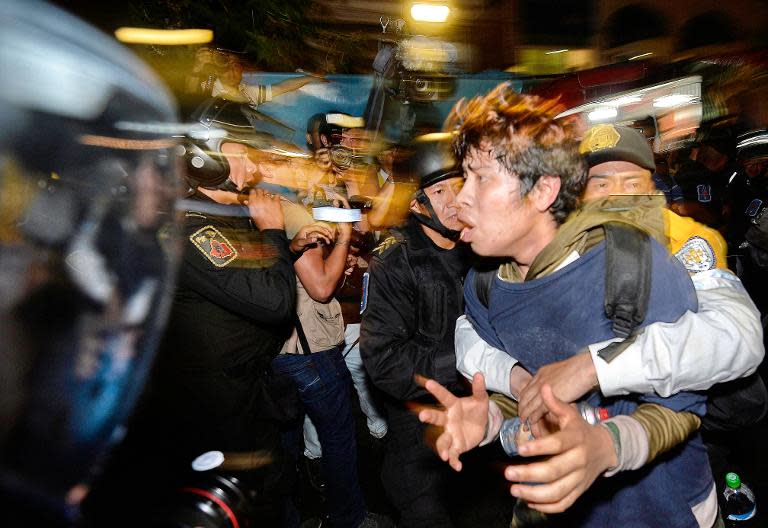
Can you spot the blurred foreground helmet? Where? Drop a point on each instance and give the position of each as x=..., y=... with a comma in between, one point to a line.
x=87, y=192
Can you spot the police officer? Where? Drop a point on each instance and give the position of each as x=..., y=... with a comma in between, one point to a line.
x=413, y=298
x=748, y=197
x=232, y=310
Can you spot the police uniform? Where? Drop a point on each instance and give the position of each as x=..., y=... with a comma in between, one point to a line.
x=232, y=310
x=410, y=306
x=748, y=201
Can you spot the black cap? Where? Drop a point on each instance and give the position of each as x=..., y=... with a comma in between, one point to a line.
x=604, y=143
x=430, y=160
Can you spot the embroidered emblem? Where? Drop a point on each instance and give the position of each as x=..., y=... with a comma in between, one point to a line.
x=364, y=298
x=215, y=246
x=598, y=138
x=704, y=192
x=753, y=207
x=696, y=255
x=387, y=243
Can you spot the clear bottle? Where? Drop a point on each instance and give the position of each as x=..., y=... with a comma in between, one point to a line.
x=740, y=505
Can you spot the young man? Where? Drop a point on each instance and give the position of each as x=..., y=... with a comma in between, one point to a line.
x=719, y=343
x=414, y=296
x=524, y=175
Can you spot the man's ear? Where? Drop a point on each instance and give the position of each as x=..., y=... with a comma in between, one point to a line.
x=544, y=193
x=416, y=206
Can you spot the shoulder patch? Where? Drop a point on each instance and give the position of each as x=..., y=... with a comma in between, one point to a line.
x=697, y=255
x=753, y=207
x=214, y=246
x=387, y=243
x=704, y=193
x=364, y=298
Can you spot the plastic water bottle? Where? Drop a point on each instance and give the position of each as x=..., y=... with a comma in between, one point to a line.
x=740, y=505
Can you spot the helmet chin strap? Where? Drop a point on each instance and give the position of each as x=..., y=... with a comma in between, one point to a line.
x=432, y=220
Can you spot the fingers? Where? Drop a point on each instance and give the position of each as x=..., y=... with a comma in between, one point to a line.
x=558, y=408
x=340, y=201
x=554, y=497
x=440, y=393
x=529, y=400
x=478, y=385
x=544, y=471
x=433, y=416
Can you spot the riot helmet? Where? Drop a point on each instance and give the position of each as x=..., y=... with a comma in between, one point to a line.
x=429, y=160
x=219, y=121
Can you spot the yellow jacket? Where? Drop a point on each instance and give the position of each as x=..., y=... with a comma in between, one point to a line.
x=698, y=247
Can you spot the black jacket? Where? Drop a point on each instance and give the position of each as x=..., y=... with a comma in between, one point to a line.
x=414, y=298
x=235, y=296
x=232, y=310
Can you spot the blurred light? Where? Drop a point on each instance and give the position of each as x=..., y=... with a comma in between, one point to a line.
x=555, y=51
x=167, y=37
x=641, y=55
x=430, y=12
x=668, y=101
x=126, y=144
x=626, y=100
x=601, y=114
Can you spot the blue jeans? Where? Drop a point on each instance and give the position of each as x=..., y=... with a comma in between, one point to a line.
x=377, y=425
x=324, y=385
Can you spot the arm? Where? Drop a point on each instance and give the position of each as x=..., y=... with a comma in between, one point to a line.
x=502, y=372
x=320, y=276
x=290, y=85
x=259, y=93
x=392, y=350
x=722, y=342
x=264, y=292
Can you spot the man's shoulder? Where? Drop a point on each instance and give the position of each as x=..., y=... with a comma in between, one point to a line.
x=697, y=246
x=391, y=246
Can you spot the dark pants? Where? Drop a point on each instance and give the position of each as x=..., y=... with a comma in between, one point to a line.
x=416, y=480
x=324, y=385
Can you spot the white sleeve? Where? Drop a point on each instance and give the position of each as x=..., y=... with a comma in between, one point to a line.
x=475, y=355
x=723, y=341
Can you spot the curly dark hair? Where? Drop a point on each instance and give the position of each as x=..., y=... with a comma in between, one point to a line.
x=526, y=139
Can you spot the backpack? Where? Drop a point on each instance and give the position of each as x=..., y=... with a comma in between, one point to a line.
x=731, y=405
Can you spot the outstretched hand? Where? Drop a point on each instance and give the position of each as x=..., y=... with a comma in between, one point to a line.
x=578, y=453
x=463, y=419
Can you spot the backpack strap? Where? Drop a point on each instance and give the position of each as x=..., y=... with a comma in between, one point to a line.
x=483, y=282
x=627, y=282
x=302, y=336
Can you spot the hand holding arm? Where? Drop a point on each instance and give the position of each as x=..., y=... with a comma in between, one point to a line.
x=569, y=379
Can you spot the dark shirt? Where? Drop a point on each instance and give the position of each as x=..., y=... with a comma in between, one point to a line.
x=235, y=296
x=414, y=298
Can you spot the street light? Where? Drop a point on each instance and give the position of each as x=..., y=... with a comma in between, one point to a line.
x=167, y=37
x=430, y=12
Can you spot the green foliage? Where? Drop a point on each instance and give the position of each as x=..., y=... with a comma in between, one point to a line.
x=270, y=33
